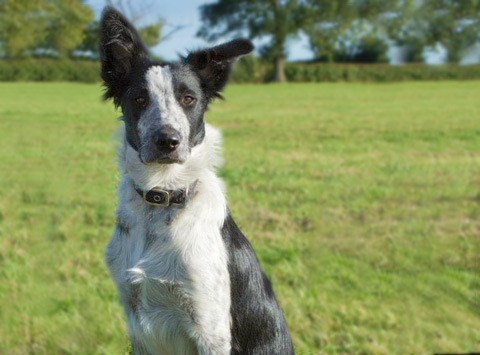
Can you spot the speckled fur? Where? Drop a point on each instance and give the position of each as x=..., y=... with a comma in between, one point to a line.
x=170, y=265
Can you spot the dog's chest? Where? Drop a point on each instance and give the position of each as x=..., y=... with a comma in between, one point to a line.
x=171, y=273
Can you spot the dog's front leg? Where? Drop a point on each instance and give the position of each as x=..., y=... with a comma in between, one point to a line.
x=213, y=345
x=210, y=333
x=210, y=327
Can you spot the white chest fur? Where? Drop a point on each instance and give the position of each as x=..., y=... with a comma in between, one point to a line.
x=171, y=266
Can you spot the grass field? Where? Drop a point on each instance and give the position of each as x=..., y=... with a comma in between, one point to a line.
x=362, y=201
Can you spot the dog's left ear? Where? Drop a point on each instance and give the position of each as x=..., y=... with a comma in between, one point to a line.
x=213, y=65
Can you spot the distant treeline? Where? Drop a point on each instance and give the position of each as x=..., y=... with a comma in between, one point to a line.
x=353, y=31
x=253, y=70
x=249, y=70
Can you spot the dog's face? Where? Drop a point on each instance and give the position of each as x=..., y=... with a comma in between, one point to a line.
x=163, y=104
x=163, y=107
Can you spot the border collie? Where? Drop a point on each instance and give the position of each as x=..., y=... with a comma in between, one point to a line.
x=188, y=279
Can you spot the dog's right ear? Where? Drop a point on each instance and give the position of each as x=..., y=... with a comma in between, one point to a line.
x=213, y=65
x=120, y=47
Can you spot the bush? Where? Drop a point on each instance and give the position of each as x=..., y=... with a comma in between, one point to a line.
x=50, y=70
x=318, y=72
x=253, y=70
x=249, y=70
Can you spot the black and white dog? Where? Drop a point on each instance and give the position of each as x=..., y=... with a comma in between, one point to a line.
x=188, y=279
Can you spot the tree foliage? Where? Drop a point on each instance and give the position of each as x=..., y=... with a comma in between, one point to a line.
x=353, y=30
x=454, y=24
x=27, y=26
x=420, y=24
x=91, y=39
x=277, y=20
x=367, y=49
x=151, y=34
x=23, y=25
x=327, y=24
x=66, y=28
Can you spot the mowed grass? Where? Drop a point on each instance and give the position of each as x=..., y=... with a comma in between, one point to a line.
x=361, y=200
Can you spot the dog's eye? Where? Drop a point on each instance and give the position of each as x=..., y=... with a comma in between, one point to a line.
x=188, y=100
x=141, y=101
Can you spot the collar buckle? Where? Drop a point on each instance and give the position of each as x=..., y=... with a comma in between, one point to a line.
x=166, y=198
x=156, y=197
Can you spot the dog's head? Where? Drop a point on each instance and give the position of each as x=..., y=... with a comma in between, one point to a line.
x=163, y=104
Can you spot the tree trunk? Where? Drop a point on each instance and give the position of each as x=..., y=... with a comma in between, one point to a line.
x=453, y=56
x=280, y=70
x=454, y=51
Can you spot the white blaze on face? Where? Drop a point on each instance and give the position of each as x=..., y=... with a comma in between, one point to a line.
x=163, y=105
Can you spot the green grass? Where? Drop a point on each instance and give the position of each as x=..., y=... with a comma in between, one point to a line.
x=362, y=201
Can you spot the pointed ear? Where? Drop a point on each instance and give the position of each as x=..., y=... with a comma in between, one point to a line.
x=120, y=48
x=213, y=65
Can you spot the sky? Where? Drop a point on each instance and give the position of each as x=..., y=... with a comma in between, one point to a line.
x=185, y=13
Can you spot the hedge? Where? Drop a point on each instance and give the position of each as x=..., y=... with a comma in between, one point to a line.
x=379, y=72
x=50, y=70
x=250, y=70
x=255, y=71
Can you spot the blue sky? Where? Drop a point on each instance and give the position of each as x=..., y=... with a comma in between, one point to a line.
x=186, y=13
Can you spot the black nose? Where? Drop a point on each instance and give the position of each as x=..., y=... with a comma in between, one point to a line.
x=167, y=140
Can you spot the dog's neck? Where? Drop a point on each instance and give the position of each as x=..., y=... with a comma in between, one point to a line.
x=203, y=160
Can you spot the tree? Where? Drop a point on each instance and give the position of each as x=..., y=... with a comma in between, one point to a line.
x=278, y=19
x=454, y=24
x=23, y=24
x=27, y=26
x=371, y=49
x=354, y=30
x=327, y=25
x=66, y=27
x=151, y=34
x=91, y=40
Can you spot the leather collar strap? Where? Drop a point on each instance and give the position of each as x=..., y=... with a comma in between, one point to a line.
x=167, y=198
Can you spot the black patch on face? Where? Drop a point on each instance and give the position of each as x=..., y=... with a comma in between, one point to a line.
x=186, y=83
x=135, y=87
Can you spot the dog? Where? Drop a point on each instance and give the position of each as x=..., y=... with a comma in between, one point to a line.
x=188, y=279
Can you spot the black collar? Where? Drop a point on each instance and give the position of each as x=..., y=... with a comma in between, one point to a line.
x=167, y=198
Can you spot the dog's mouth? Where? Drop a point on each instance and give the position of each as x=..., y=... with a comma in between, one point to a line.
x=156, y=157
x=168, y=160
x=161, y=160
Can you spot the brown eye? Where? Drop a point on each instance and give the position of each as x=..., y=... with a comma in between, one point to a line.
x=188, y=100
x=141, y=101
